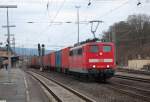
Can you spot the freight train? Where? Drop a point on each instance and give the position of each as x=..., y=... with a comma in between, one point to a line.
x=92, y=59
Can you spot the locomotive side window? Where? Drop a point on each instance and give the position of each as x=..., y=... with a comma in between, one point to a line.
x=71, y=53
x=106, y=48
x=94, y=48
x=79, y=51
x=74, y=52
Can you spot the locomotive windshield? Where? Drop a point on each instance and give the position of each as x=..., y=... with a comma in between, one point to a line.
x=94, y=48
x=106, y=48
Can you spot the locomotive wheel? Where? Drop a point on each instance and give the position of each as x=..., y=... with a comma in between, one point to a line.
x=84, y=77
x=90, y=77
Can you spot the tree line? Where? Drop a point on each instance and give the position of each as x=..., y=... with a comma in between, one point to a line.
x=131, y=37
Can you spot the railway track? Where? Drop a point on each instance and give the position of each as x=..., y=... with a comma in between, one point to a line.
x=133, y=78
x=126, y=88
x=133, y=71
x=59, y=91
x=135, y=91
x=132, y=91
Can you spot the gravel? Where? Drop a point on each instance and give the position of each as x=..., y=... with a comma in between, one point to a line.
x=98, y=91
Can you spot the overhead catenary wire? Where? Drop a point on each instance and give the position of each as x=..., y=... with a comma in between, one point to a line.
x=52, y=21
x=54, y=18
x=116, y=8
x=112, y=10
x=61, y=6
x=58, y=11
x=49, y=4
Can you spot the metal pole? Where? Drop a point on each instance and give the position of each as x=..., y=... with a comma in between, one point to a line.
x=8, y=32
x=9, y=52
x=114, y=40
x=14, y=42
x=78, y=22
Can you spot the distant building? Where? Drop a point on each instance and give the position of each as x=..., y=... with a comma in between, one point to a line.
x=4, y=53
x=4, y=57
x=138, y=64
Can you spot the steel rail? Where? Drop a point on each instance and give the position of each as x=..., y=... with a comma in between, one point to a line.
x=133, y=78
x=129, y=90
x=142, y=91
x=87, y=99
x=133, y=71
x=51, y=92
x=130, y=93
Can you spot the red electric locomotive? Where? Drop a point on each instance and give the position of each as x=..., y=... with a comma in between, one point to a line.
x=94, y=59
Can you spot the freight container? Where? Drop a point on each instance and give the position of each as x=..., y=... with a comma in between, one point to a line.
x=45, y=61
x=37, y=62
x=58, y=60
x=48, y=58
x=65, y=59
x=52, y=60
x=33, y=62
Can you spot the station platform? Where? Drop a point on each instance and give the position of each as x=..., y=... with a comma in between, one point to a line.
x=12, y=87
x=17, y=86
x=142, y=76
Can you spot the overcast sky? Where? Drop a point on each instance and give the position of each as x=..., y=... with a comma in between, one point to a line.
x=63, y=34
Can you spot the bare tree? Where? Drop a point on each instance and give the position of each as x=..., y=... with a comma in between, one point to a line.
x=132, y=37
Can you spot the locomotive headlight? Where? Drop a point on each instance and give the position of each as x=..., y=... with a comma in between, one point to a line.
x=94, y=66
x=108, y=66
x=100, y=53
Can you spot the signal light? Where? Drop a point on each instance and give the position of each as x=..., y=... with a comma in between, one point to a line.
x=39, y=49
x=43, y=49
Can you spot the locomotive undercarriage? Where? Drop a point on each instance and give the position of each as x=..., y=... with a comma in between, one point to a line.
x=94, y=74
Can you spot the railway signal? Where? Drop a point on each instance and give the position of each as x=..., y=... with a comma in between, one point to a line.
x=39, y=49
x=43, y=49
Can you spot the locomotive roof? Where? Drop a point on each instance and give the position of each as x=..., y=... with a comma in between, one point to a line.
x=91, y=43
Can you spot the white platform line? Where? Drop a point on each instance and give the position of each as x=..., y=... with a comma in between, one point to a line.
x=27, y=91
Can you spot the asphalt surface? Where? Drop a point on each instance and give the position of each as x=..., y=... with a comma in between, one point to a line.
x=17, y=86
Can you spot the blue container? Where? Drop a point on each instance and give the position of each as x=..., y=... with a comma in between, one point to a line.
x=58, y=61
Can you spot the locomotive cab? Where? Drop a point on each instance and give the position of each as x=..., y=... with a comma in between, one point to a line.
x=93, y=59
x=100, y=59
